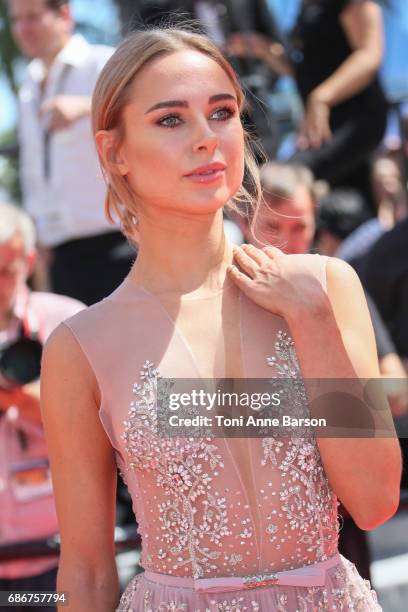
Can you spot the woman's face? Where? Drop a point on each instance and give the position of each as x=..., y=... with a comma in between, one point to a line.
x=183, y=116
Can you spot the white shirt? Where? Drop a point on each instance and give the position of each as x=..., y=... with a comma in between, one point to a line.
x=70, y=203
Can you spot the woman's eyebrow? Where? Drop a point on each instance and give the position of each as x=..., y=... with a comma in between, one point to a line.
x=184, y=103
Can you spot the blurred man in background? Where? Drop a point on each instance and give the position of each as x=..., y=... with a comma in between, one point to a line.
x=286, y=218
x=63, y=189
x=27, y=510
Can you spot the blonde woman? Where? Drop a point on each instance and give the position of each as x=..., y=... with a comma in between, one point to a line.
x=227, y=524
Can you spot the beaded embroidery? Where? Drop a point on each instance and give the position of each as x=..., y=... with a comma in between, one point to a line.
x=194, y=518
x=306, y=498
x=180, y=467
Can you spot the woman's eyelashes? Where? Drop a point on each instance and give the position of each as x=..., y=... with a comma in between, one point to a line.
x=175, y=119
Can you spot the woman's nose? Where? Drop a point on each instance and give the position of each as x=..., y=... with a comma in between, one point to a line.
x=206, y=139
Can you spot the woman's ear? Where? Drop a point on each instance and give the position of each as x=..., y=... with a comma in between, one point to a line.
x=109, y=152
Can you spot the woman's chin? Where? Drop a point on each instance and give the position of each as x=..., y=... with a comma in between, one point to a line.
x=211, y=202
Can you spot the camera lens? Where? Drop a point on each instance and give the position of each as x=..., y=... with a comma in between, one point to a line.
x=20, y=362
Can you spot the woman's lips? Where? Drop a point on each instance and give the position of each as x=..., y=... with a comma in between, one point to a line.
x=209, y=176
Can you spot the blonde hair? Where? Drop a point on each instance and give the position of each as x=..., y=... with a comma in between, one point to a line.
x=113, y=91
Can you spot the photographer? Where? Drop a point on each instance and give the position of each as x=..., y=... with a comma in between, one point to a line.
x=26, y=319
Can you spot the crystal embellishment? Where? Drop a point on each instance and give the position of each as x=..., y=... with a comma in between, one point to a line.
x=253, y=582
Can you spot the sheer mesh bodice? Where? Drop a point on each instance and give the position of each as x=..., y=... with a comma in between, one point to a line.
x=207, y=507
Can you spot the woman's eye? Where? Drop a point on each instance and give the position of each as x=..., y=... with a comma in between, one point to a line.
x=172, y=121
x=225, y=112
x=169, y=121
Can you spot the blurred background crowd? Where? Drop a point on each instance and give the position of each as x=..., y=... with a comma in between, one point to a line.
x=326, y=86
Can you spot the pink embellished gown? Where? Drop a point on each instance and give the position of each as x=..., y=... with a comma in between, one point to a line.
x=227, y=524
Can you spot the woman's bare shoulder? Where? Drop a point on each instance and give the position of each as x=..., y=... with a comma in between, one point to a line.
x=62, y=339
x=310, y=258
x=64, y=362
x=90, y=315
x=338, y=270
x=314, y=261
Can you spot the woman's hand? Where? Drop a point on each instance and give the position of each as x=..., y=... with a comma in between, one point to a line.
x=277, y=282
x=362, y=25
x=315, y=127
x=251, y=44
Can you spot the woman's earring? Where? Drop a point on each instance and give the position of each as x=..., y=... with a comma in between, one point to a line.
x=135, y=220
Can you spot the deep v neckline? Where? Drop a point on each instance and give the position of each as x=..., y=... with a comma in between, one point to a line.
x=231, y=449
x=181, y=335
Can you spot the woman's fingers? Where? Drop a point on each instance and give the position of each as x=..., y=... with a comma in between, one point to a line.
x=256, y=254
x=241, y=280
x=320, y=134
x=272, y=252
x=247, y=263
x=302, y=141
x=327, y=133
x=315, y=139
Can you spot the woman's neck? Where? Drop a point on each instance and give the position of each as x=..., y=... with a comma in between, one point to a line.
x=192, y=256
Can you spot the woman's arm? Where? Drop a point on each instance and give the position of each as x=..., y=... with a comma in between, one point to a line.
x=334, y=339
x=365, y=473
x=362, y=24
x=83, y=473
